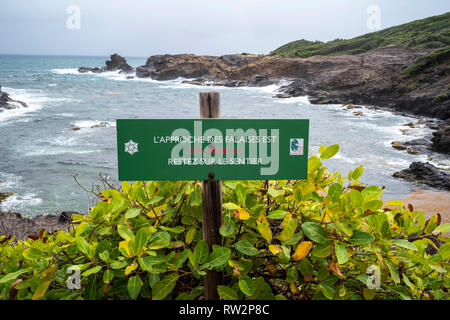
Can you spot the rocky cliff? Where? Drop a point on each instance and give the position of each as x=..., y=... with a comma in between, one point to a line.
x=373, y=78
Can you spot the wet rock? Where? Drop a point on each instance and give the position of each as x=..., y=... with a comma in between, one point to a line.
x=351, y=106
x=14, y=225
x=7, y=103
x=258, y=80
x=441, y=140
x=398, y=145
x=74, y=129
x=412, y=151
x=420, y=145
x=410, y=124
x=358, y=113
x=281, y=96
x=116, y=63
x=425, y=173
x=93, y=70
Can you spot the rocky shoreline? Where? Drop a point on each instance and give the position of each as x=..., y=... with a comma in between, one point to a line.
x=13, y=225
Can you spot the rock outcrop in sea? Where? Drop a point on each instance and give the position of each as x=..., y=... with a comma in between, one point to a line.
x=117, y=63
x=441, y=139
x=425, y=173
x=6, y=103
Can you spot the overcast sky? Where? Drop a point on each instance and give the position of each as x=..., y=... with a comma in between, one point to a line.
x=146, y=27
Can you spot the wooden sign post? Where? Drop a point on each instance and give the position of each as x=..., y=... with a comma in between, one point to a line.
x=212, y=199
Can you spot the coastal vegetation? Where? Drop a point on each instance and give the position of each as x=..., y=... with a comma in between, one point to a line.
x=432, y=59
x=429, y=33
x=327, y=237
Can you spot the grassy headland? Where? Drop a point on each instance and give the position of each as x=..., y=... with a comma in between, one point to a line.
x=430, y=33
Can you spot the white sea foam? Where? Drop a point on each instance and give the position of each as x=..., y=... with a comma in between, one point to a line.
x=18, y=202
x=295, y=100
x=65, y=71
x=33, y=98
x=9, y=181
x=51, y=151
x=93, y=123
x=65, y=114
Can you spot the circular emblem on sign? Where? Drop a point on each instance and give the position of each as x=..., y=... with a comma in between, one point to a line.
x=294, y=145
x=131, y=147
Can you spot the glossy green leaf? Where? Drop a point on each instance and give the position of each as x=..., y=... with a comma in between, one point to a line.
x=134, y=286
x=361, y=238
x=246, y=247
x=161, y=289
x=315, y=232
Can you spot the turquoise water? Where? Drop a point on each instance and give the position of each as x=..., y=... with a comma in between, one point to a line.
x=39, y=154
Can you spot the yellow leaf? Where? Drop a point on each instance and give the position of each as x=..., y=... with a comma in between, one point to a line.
x=190, y=235
x=243, y=214
x=328, y=215
x=156, y=212
x=294, y=288
x=40, y=290
x=275, y=249
x=124, y=245
x=264, y=227
x=130, y=268
x=302, y=250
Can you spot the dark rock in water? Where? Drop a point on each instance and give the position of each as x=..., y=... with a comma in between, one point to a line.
x=93, y=70
x=441, y=140
x=425, y=173
x=294, y=89
x=398, y=145
x=258, y=80
x=420, y=145
x=14, y=225
x=117, y=62
x=6, y=103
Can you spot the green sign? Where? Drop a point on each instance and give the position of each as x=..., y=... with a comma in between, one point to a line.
x=219, y=149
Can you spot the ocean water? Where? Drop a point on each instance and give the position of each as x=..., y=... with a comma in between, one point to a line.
x=40, y=155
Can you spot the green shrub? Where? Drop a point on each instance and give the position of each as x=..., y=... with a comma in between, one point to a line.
x=313, y=239
x=431, y=59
